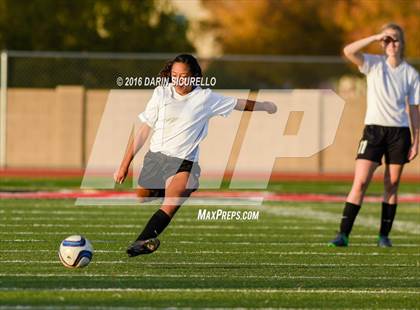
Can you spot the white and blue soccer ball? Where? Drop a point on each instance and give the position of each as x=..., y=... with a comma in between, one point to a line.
x=75, y=252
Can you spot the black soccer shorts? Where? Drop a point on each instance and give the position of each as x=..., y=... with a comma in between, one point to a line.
x=392, y=142
x=158, y=167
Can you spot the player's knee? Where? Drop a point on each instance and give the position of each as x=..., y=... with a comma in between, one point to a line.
x=177, y=191
x=360, y=186
x=142, y=194
x=175, y=198
x=391, y=186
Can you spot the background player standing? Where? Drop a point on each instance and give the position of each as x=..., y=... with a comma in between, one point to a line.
x=391, y=82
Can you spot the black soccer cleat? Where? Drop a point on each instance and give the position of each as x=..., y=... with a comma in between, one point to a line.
x=140, y=247
x=384, y=242
x=340, y=241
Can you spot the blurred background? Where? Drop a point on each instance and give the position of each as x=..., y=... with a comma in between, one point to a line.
x=61, y=58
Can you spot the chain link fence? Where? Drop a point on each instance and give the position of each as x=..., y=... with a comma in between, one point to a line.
x=100, y=70
x=31, y=69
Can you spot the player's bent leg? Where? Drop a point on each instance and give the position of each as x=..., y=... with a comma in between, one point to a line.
x=175, y=194
x=392, y=178
x=147, y=242
x=362, y=176
x=146, y=195
x=142, y=194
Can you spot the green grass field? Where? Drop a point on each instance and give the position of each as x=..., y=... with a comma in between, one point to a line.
x=325, y=187
x=278, y=261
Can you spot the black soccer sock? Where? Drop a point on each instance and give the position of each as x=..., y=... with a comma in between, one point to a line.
x=155, y=225
x=387, y=218
x=349, y=215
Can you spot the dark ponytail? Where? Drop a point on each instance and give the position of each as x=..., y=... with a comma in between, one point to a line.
x=188, y=59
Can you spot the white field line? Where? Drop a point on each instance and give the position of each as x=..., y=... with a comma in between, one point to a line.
x=290, y=243
x=137, y=222
x=187, y=218
x=307, y=244
x=140, y=211
x=71, y=307
x=218, y=235
x=280, y=253
x=67, y=275
x=134, y=218
x=223, y=290
x=126, y=262
x=125, y=214
x=324, y=216
x=202, y=226
x=300, y=212
x=129, y=233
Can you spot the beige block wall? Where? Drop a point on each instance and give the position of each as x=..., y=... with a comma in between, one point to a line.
x=339, y=157
x=56, y=128
x=95, y=105
x=44, y=127
x=67, y=116
x=30, y=127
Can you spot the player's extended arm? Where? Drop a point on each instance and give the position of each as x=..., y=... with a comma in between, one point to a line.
x=251, y=105
x=353, y=52
x=133, y=147
x=414, y=111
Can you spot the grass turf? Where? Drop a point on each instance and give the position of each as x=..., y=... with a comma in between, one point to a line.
x=279, y=260
x=321, y=187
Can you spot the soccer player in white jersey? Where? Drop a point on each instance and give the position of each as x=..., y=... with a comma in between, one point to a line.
x=177, y=115
x=391, y=84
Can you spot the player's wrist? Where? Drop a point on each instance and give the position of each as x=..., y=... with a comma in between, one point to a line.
x=378, y=37
x=124, y=167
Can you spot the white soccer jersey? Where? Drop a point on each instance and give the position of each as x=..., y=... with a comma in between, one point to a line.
x=387, y=90
x=180, y=123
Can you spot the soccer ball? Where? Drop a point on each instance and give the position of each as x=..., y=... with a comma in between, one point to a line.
x=75, y=252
